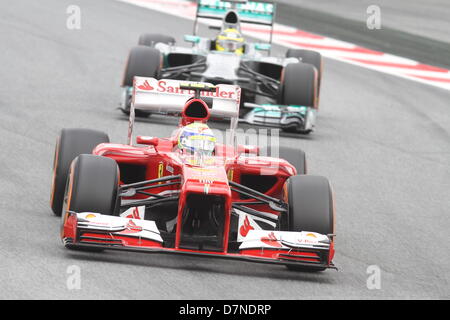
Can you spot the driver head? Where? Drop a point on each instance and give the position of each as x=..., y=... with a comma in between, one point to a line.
x=230, y=40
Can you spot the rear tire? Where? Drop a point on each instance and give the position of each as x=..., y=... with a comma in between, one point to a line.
x=299, y=85
x=311, y=208
x=70, y=144
x=295, y=157
x=150, y=39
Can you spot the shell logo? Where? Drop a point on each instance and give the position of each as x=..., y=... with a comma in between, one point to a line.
x=311, y=235
x=90, y=216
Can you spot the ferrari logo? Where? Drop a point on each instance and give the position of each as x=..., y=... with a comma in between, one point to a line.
x=160, y=170
x=230, y=174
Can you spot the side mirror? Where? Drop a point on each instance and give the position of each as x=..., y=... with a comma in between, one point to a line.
x=150, y=141
x=262, y=46
x=191, y=38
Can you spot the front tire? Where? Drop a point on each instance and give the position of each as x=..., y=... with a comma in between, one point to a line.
x=299, y=85
x=70, y=144
x=93, y=185
x=311, y=207
x=310, y=57
x=142, y=61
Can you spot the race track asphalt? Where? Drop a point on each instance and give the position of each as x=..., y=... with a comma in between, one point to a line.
x=384, y=142
x=421, y=18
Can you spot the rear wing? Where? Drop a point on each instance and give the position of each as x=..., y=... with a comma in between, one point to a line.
x=256, y=12
x=167, y=96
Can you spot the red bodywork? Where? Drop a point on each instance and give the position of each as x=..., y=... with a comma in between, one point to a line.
x=159, y=157
x=164, y=155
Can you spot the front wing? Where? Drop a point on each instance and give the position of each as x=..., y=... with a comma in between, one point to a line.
x=292, y=118
x=93, y=230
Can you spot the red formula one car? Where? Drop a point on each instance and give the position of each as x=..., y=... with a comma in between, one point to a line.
x=187, y=194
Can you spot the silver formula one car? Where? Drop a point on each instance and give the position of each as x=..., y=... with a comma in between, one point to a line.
x=280, y=92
